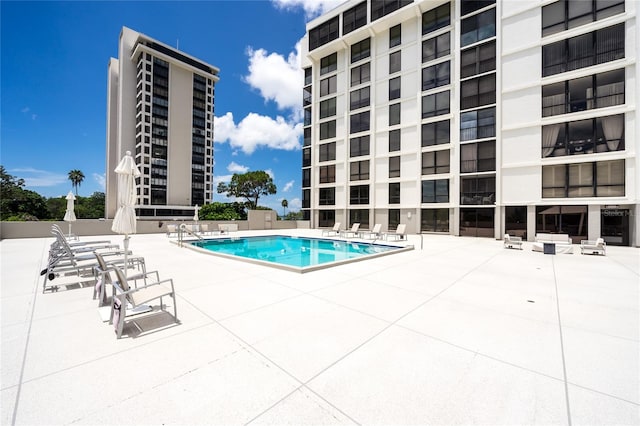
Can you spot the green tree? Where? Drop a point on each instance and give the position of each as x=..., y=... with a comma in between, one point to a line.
x=250, y=186
x=93, y=206
x=222, y=211
x=285, y=204
x=17, y=203
x=76, y=177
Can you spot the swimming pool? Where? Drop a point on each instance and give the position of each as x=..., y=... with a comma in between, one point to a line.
x=295, y=253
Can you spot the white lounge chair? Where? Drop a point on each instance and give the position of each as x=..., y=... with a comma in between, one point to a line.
x=399, y=234
x=127, y=298
x=593, y=247
x=374, y=233
x=103, y=277
x=353, y=232
x=512, y=242
x=333, y=231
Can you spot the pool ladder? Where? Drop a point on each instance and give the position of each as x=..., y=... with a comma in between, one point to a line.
x=183, y=228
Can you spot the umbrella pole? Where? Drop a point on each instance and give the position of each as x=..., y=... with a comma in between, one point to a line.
x=126, y=254
x=69, y=230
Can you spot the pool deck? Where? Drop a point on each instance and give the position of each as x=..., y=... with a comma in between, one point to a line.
x=460, y=331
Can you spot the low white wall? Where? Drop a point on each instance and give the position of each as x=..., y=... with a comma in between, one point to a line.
x=88, y=227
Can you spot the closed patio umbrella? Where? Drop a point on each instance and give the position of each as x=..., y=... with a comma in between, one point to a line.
x=124, y=222
x=70, y=215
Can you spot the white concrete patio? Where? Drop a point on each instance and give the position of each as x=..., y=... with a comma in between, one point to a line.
x=460, y=332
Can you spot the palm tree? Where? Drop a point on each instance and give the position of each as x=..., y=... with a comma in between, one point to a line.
x=285, y=204
x=76, y=177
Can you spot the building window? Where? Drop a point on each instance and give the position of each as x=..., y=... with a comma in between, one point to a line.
x=360, y=74
x=361, y=50
x=434, y=220
x=435, y=191
x=435, y=162
x=394, y=193
x=478, y=91
x=328, y=86
x=394, y=114
x=477, y=222
x=327, y=152
x=563, y=15
x=596, y=47
x=328, y=108
x=327, y=196
x=478, y=59
x=593, y=135
x=580, y=94
x=478, y=190
x=306, y=139
x=515, y=221
x=306, y=96
x=354, y=18
x=308, y=76
x=394, y=167
x=360, y=216
x=324, y=33
x=436, y=47
x=436, y=75
x=600, y=179
x=395, y=36
x=306, y=157
x=326, y=218
x=359, y=98
x=394, y=219
x=394, y=88
x=478, y=157
x=359, y=170
x=437, y=18
x=478, y=124
x=306, y=198
x=328, y=64
x=359, y=122
x=395, y=62
x=306, y=178
x=328, y=174
x=383, y=8
x=478, y=27
x=359, y=194
x=436, y=104
x=394, y=140
x=436, y=133
x=328, y=130
x=307, y=117
x=469, y=6
x=359, y=146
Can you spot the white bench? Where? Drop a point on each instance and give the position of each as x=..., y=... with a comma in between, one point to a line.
x=593, y=247
x=562, y=242
x=226, y=228
x=512, y=242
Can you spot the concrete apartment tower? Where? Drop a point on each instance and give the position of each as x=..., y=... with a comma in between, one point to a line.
x=160, y=106
x=474, y=117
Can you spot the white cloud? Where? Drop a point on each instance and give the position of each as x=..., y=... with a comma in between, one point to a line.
x=276, y=78
x=234, y=167
x=25, y=110
x=100, y=180
x=270, y=173
x=295, y=204
x=288, y=186
x=257, y=131
x=312, y=8
x=35, y=178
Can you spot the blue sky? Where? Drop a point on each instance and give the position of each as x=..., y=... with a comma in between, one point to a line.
x=53, y=82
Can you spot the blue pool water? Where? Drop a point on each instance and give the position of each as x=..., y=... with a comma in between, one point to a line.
x=293, y=251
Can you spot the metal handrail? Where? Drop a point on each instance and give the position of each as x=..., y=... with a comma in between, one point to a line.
x=183, y=228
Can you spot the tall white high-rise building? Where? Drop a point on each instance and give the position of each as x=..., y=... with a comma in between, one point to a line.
x=474, y=117
x=160, y=106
